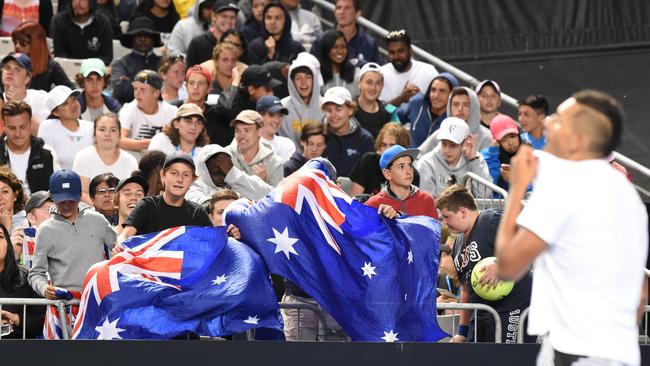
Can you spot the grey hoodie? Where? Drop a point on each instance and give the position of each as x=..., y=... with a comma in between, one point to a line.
x=248, y=186
x=185, y=30
x=299, y=112
x=265, y=155
x=66, y=250
x=435, y=173
x=483, y=135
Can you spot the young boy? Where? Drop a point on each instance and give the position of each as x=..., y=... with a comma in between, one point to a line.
x=504, y=146
x=532, y=112
x=218, y=203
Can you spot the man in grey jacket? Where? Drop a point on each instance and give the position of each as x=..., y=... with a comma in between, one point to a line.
x=190, y=27
x=70, y=242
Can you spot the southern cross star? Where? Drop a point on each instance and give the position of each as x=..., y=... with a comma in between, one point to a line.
x=283, y=243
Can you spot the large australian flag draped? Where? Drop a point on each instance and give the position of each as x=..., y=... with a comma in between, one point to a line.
x=376, y=277
x=180, y=280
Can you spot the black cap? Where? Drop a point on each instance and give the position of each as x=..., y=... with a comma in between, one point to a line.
x=223, y=5
x=257, y=75
x=138, y=179
x=179, y=158
x=36, y=200
x=149, y=77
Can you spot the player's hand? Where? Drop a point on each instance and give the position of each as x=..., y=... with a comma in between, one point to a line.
x=523, y=167
x=387, y=211
x=458, y=339
x=489, y=277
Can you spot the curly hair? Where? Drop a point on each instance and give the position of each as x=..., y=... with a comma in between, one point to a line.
x=10, y=179
x=79, y=79
x=175, y=136
x=400, y=134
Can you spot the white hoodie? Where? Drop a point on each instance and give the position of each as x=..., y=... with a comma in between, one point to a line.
x=265, y=155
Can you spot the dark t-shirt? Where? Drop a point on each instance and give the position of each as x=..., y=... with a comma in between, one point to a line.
x=479, y=245
x=373, y=122
x=153, y=214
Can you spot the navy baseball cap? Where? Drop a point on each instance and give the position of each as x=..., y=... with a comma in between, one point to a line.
x=65, y=185
x=270, y=104
x=22, y=59
x=179, y=157
x=395, y=152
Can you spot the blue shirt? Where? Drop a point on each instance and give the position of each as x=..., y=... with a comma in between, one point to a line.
x=537, y=144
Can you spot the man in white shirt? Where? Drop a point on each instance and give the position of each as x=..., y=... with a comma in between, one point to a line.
x=586, y=230
x=272, y=111
x=403, y=76
x=305, y=25
x=16, y=76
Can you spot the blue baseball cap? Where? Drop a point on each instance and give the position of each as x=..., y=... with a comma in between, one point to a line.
x=270, y=104
x=65, y=185
x=395, y=152
x=22, y=59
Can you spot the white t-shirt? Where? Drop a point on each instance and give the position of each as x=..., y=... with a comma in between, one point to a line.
x=89, y=164
x=419, y=74
x=142, y=125
x=161, y=142
x=19, y=164
x=66, y=143
x=282, y=146
x=587, y=283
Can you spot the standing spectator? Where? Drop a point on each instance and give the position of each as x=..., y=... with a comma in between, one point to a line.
x=272, y=111
x=146, y=115
x=150, y=166
x=162, y=13
x=504, y=146
x=172, y=71
x=373, y=113
x=12, y=13
x=30, y=39
x=313, y=142
x=129, y=192
x=347, y=139
x=141, y=39
x=72, y=40
x=396, y=165
x=190, y=27
x=403, y=76
x=224, y=17
x=489, y=97
x=185, y=133
x=335, y=66
x=102, y=194
x=305, y=25
x=65, y=132
x=16, y=76
x=26, y=155
x=276, y=43
x=532, y=112
x=93, y=78
x=253, y=28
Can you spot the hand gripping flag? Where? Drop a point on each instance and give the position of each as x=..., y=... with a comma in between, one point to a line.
x=180, y=280
x=376, y=277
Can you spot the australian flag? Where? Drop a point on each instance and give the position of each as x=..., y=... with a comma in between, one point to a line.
x=376, y=277
x=180, y=280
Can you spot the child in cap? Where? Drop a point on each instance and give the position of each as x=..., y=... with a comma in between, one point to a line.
x=505, y=143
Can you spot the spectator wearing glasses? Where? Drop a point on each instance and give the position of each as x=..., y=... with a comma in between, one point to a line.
x=373, y=113
x=93, y=78
x=172, y=71
x=102, y=193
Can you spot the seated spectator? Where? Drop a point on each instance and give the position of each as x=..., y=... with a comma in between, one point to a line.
x=12, y=204
x=276, y=43
x=505, y=143
x=190, y=27
x=162, y=13
x=313, y=142
x=223, y=68
x=347, y=139
x=16, y=76
x=102, y=194
x=396, y=165
x=426, y=111
x=532, y=112
x=272, y=111
x=305, y=25
x=172, y=71
x=254, y=23
x=93, y=78
x=218, y=203
x=304, y=100
x=71, y=40
x=38, y=208
x=146, y=115
x=335, y=66
x=65, y=131
x=489, y=98
x=129, y=192
x=454, y=156
x=403, y=76
x=249, y=154
x=104, y=155
x=13, y=13
x=185, y=133
x=373, y=113
x=26, y=155
x=150, y=166
x=197, y=84
x=30, y=39
x=141, y=39
x=108, y=9
x=235, y=38
x=224, y=17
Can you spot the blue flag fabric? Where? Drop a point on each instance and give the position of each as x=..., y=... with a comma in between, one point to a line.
x=184, y=279
x=376, y=277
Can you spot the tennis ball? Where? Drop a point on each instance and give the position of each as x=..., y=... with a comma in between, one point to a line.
x=487, y=292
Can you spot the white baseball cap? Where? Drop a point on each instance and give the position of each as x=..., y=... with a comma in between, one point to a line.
x=58, y=95
x=370, y=66
x=453, y=129
x=337, y=95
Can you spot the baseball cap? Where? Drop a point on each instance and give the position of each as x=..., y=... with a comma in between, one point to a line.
x=257, y=75
x=502, y=125
x=65, y=185
x=190, y=109
x=36, y=200
x=453, y=129
x=337, y=95
x=179, y=157
x=487, y=82
x=22, y=59
x=149, y=77
x=58, y=95
x=248, y=116
x=395, y=152
x=92, y=65
x=270, y=104
x=449, y=77
x=223, y=5
x=370, y=66
x=198, y=69
x=138, y=179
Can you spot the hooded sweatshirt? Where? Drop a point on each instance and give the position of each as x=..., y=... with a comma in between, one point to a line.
x=417, y=111
x=286, y=49
x=300, y=112
x=436, y=174
x=66, y=250
x=265, y=155
x=186, y=29
x=345, y=151
x=483, y=135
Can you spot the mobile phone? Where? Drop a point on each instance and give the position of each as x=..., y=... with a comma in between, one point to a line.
x=444, y=291
x=5, y=330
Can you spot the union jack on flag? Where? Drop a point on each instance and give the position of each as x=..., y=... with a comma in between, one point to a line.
x=29, y=241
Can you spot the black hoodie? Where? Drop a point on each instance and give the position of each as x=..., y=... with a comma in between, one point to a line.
x=286, y=49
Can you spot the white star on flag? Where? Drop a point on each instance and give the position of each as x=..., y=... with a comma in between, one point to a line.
x=109, y=330
x=252, y=320
x=409, y=257
x=283, y=243
x=368, y=270
x=390, y=336
x=220, y=279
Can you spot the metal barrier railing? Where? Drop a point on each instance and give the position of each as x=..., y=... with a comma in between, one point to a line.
x=475, y=308
x=522, y=330
x=484, y=191
x=60, y=305
x=639, y=169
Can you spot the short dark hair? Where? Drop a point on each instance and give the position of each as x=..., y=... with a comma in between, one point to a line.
x=15, y=108
x=455, y=197
x=398, y=36
x=355, y=3
x=110, y=179
x=446, y=80
x=221, y=195
x=608, y=106
x=312, y=128
x=536, y=102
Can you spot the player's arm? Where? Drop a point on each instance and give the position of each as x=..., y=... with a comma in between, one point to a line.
x=465, y=316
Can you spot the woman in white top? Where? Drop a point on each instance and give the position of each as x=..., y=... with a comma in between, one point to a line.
x=104, y=156
x=186, y=132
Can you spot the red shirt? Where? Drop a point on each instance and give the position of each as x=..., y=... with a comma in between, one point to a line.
x=418, y=202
